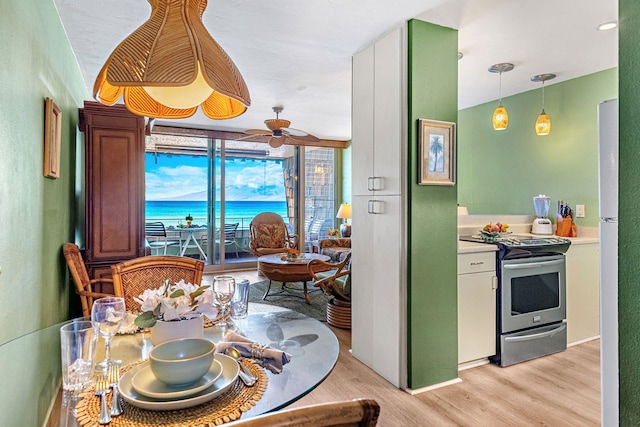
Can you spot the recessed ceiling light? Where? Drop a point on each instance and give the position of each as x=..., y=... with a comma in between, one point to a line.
x=607, y=26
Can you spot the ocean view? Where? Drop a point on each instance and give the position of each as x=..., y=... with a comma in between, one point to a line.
x=173, y=212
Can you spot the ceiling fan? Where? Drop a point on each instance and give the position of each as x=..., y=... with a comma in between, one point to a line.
x=280, y=131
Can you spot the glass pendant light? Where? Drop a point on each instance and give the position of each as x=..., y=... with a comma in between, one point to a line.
x=543, y=122
x=500, y=118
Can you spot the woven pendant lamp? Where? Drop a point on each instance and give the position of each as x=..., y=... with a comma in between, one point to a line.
x=171, y=65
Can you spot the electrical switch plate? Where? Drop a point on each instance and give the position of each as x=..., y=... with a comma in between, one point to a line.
x=580, y=211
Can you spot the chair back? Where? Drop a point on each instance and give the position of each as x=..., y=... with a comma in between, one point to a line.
x=314, y=229
x=84, y=285
x=230, y=231
x=131, y=278
x=269, y=234
x=357, y=412
x=155, y=229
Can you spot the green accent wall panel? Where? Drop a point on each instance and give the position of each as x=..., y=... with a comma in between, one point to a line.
x=36, y=212
x=499, y=172
x=629, y=224
x=432, y=255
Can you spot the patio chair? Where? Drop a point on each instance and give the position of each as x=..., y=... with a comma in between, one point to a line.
x=156, y=235
x=313, y=234
x=230, y=237
x=269, y=235
x=84, y=285
x=337, y=284
x=131, y=278
x=357, y=412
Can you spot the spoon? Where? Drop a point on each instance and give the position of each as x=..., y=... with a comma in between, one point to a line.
x=245, y=375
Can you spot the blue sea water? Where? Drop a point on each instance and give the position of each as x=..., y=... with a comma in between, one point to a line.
x=173, y=212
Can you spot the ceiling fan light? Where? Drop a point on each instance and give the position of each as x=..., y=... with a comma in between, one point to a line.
x=179, y=65
x=277, y=124
x=500, y=118
x=543, y=124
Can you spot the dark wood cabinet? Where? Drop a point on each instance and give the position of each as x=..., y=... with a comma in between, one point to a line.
x=114, y=185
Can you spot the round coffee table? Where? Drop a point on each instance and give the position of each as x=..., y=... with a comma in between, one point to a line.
x=273, y=267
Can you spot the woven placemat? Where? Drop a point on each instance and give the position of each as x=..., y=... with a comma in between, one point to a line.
x=222, y=409
x=208, y=323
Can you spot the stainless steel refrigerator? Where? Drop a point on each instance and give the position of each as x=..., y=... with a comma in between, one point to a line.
x=608, y=196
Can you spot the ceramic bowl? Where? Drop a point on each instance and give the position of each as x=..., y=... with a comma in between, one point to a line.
x=181, y=361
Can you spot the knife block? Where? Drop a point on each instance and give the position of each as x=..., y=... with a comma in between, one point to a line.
x=566, y=228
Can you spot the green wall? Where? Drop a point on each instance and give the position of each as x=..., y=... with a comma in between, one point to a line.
x=35, y=212
x=629, y=226
x=500, y=171
x=432, y=255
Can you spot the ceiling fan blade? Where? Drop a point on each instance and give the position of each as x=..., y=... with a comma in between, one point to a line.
x=305, y=138
x=258, y=132
x=277, y=141
x=249, y=137
x=293, y=132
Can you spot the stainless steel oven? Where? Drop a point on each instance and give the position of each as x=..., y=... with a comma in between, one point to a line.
x=531, y=297
x=532, y=308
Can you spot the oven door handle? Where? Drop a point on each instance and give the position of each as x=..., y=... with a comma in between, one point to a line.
x=536, y=336
x=528, y=265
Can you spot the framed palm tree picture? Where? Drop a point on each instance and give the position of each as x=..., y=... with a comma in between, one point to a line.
x=437, y=151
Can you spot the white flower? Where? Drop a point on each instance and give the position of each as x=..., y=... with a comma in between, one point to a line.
x=172, y=302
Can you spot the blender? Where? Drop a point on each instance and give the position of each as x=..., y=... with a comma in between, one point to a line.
x=542, y=225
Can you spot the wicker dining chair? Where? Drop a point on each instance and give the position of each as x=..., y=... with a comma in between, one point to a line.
x=357, y=412
x=269, y=235
x=84, y=285
x=131, y=278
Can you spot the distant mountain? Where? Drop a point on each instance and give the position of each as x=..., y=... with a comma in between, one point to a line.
x=200, y=196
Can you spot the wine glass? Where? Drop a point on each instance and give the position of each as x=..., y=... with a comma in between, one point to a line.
x=224, y=288
x=107, y=315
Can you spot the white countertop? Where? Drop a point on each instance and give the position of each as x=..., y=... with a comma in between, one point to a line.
x=473, y=247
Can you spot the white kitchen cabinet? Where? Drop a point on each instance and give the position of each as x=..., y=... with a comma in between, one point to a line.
x=378, y=127
x=583, y=292
x=378, y=207
x=477, y=284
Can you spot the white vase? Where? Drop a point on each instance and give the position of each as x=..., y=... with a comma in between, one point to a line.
x=187, y=328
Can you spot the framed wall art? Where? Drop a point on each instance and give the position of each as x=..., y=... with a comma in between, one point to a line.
x=437, y=152
x=52, y=129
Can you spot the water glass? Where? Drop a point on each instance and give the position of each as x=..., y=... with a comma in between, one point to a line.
x=240, y=300
x=77, y=348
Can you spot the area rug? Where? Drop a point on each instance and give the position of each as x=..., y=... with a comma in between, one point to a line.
x=291, y=298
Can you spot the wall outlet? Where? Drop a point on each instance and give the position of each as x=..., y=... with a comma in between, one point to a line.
x=580, y=211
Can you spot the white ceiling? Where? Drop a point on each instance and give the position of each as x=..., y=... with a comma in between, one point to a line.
x=297, y=54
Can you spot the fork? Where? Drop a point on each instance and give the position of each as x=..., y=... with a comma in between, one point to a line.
x=114, y=378
x=102, y=389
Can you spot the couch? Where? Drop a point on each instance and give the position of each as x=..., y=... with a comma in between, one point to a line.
x=336, y=249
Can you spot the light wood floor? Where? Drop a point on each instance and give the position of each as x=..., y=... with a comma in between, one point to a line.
x=562, y=389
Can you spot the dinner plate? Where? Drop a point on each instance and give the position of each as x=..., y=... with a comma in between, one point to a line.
x=146, y=383
x=229, y=376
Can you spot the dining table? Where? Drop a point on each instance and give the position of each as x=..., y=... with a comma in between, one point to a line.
x=313, y=348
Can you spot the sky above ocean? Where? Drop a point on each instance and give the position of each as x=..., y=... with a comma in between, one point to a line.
x=182, y=177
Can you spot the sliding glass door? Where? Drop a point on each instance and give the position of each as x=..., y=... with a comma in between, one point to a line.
x=222, y=184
